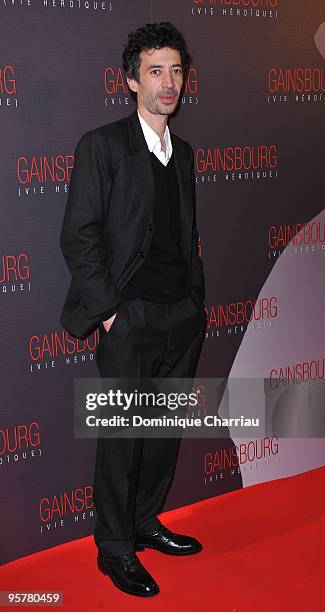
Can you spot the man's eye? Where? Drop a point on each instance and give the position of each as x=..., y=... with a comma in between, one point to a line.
x=156, y=70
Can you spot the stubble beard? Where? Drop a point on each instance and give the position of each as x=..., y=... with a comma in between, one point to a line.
x=153, y=106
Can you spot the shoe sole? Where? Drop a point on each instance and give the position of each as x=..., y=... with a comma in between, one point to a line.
x=140, y=548
x=106, y=573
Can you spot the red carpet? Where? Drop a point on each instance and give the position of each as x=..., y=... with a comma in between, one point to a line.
x=263, y=551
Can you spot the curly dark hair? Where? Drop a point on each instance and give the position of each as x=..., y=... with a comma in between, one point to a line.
x=152, y=36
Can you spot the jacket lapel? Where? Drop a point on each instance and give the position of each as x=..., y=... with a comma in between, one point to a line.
x=140, y=166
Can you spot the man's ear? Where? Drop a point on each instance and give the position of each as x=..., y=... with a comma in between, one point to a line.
x=132, y=83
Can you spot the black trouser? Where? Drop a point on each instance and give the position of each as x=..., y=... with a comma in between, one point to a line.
x=132, y=475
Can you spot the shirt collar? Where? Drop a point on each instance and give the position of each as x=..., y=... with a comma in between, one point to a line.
x=152, y=138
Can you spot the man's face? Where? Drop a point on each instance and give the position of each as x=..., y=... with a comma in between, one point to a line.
x=161, y=80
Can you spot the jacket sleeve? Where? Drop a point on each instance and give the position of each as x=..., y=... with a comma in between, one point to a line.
x=83, y=226
x=197, y=275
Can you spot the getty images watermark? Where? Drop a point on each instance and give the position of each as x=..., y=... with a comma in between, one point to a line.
x=200, y=408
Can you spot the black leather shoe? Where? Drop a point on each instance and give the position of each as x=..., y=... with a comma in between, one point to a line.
x=168, y=542
x=128, y=574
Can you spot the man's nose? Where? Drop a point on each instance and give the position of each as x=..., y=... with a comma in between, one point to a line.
x=168, y=80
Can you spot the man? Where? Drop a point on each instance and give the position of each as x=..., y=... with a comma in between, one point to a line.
x=130, y=241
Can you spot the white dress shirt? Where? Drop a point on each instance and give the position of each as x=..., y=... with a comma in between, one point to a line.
x=154, y=143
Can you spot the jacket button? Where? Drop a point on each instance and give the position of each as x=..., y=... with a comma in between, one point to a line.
x=150, y=226
x=131, y=281
x=141, y=253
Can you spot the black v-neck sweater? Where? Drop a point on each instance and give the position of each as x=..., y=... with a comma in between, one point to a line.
x=163, y=276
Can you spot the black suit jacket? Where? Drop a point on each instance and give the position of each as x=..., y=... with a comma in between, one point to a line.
x=108, y=222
